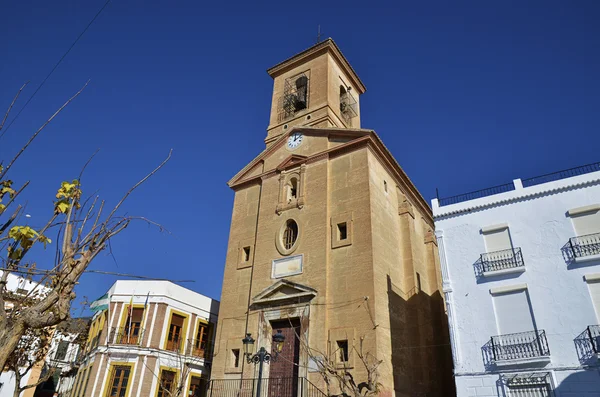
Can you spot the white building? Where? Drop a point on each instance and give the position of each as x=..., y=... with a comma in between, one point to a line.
x=155, y=337
x=18, y=288
x=521, y=276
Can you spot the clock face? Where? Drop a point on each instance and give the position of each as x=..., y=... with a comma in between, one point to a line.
x=294, y=140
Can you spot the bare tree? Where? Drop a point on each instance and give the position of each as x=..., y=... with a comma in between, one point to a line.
x=83, y=227
x=182, y=364
x=334, y=369
x=31, y=351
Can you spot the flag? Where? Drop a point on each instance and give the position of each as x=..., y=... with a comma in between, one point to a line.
x=129, y=314
x=100, y=303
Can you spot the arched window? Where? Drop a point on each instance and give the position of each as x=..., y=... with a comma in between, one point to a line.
x=301, y=93
x=343, y=99
x=290, y=234
x=292, y=190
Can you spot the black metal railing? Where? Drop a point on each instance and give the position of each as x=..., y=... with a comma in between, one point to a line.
x=555, y=176
x=501, y=260
x=593, y=333
x=198, y=348
x=585, y=245
x=126, y=335
x=271, y=387
x=476, y=194
x=518, y=346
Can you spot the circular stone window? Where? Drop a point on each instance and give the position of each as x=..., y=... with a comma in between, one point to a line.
x=287, y=237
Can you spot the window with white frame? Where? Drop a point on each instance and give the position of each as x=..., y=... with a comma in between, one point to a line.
x=586, y=223
x=513, y=312
x=497, y=238
x=593, y=282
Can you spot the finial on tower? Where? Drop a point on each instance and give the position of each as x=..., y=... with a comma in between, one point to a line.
x=319, y=34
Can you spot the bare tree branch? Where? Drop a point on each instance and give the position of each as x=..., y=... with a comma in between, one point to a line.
x=11, y=106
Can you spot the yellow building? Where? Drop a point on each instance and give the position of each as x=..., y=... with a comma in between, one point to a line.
x=332, y=245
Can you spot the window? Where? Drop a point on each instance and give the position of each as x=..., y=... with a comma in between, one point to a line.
x=292, y=190
x=385, y=186
x=301, y=100
x=586, y=220
x=513, y=312
x=132, y=330
x=343, y=101
x=200, y=343
x=246, y=254
x=496, y=238
x=197, y=387
x=61, y=350
x=167, y=383
x=594, y=286
x=342, y=351
x=235, y=357
x=342, y=231
x=418, y=282
x=119, y=381
x=21, y=291
x=290, y=234
x=175, y=336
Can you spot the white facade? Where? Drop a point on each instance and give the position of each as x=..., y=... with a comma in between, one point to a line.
x=508, y=268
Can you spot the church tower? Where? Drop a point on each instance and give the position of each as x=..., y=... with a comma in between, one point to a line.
x=332, y=246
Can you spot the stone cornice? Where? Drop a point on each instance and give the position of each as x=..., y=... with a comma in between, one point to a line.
x=324, y=46
x=362, y=137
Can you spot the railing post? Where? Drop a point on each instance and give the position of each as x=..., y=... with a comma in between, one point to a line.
x=592, y=340
x=572, y=248
x=493, y=349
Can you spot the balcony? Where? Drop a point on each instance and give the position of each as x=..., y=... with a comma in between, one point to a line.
x=585, y=248
x=127, y=335
x=520, y=348
x=501, y=262
x=593, y=335
x=197, y=348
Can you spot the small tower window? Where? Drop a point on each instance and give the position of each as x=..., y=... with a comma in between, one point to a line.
x=342, y=346
x=246, y=254
x=301, y=93
x=385, y=185
x=343, y=99
x=290, y=234
x=342, y=231
x=292, y=190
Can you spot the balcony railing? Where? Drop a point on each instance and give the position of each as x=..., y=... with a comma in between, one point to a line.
x=587, y=245
x=197, y=348
x=502, y=260
x=127, y=335
x=174, y=344
x=593, y=333
x=280, y=387
x=523, y=345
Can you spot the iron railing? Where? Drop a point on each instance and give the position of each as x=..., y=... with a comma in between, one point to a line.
x=585, y=245
x=555, y=176
x=476, y=194
x=501, y=260
x=593, y=333
x=127, y=335
x=536, y=180
x=198, y=348
x=271, y=387
x=519, y=346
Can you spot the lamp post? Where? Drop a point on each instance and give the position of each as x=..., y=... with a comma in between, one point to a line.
x=262, y=356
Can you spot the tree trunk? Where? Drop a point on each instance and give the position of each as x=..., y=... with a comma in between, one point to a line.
x=9, y=340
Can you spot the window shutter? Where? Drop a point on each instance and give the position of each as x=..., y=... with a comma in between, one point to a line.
x=513, y=313
x=497, y=240
x=595, y=293
x=586, y=223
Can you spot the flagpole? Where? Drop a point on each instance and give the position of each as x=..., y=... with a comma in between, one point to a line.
x=130, y=316
x=143, y=324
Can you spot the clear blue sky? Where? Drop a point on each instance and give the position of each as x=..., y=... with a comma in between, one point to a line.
x=466, y=95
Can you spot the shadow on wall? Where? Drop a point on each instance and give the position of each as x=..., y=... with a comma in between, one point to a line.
x=421, y=353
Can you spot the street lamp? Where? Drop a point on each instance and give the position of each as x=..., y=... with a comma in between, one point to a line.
x=262, y=356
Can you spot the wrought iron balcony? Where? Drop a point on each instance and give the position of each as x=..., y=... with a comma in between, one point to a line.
x=501, y=260
x=127, y=335
x=524, y=345
x=593, y=333
x=582, y=246
x=197, y=348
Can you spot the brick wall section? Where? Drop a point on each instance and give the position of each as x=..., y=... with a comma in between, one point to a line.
x=104, y=373
x=148, y=323
x=139, y=369
x=93, y=372
x=159, y=322
x=148, y=378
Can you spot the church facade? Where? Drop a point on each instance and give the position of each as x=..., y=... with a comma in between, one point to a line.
x=332, y=245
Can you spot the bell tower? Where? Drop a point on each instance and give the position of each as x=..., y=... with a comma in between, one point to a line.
x=316, y=87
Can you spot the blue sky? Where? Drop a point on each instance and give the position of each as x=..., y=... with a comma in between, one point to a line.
x=466, y=95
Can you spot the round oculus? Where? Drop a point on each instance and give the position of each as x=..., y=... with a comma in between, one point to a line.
x=294, y=140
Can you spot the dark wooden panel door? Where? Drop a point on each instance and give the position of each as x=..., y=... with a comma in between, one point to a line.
x=283, y=374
